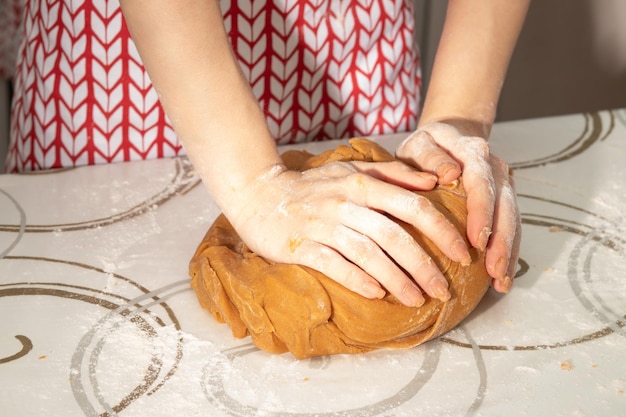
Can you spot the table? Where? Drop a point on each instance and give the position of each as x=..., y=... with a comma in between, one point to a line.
x=97, y=317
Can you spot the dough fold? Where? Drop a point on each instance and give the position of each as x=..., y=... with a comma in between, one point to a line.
x=294, y=308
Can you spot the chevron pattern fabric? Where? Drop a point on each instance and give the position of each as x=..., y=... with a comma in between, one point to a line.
x=321, y=69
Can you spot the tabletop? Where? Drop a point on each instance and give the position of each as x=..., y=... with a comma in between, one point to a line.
x=97, y=317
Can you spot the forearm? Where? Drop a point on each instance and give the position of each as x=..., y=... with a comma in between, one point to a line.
x=185, y=49
x=471, y=61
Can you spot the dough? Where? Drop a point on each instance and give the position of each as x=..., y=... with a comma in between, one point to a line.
x=297, y=309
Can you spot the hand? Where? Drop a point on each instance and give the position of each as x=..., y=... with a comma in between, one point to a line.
x=493, y=220
x=332, y=219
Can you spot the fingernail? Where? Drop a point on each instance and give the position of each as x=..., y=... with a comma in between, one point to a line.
x=440, y=289
x=372, y=290
x=443, y=168
x=506, y=284
x=460, y=252
x=483, y=238
x=500, y=268
x=412, y=296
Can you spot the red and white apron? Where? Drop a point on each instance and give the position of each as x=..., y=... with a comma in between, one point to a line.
x=320, y=69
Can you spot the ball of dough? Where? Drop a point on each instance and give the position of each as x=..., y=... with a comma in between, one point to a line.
x=294, y=308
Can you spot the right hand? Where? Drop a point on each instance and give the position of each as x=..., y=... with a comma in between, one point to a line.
x=332, y=219
x=493, y=218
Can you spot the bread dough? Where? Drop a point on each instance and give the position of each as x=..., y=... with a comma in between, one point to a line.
x=294, y=308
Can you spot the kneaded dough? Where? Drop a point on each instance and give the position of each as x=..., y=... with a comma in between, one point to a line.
x=294, y=308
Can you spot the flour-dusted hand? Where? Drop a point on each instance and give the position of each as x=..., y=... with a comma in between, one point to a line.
x=493, y=222
x=332, y=219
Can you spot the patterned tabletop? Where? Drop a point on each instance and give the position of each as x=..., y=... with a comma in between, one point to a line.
x=97, y=317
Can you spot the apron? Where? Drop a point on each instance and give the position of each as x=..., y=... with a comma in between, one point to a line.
x=320, y=69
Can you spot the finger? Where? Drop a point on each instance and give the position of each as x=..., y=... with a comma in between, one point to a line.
x=332, y=264
x=400, y=246
x=421, y=151
x=368, y=256
x=480, y=211
x=398, y=173
x=411, y=208
x=515, y=253
x=503, y=248
x=480, y=187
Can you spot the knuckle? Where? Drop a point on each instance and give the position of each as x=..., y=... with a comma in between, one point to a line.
x=406, y=286
x=364, y=251
x=500, y=166
x=352, y=279
x=478, y=147
x=335, y=169
x=415, y=204
x=393, y=233
x=484, y=186
x=417, y=146
x=317, y=258
x=358, y=179
x=422, y=261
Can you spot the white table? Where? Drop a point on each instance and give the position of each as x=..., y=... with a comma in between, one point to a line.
x=97, y=317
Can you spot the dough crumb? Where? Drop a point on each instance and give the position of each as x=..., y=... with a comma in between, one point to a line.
x=567, y=365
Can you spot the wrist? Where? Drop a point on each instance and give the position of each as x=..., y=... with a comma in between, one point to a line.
x=465, y=125
x=233, y=201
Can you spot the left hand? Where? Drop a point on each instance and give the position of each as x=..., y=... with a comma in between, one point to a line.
x=450, y=148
